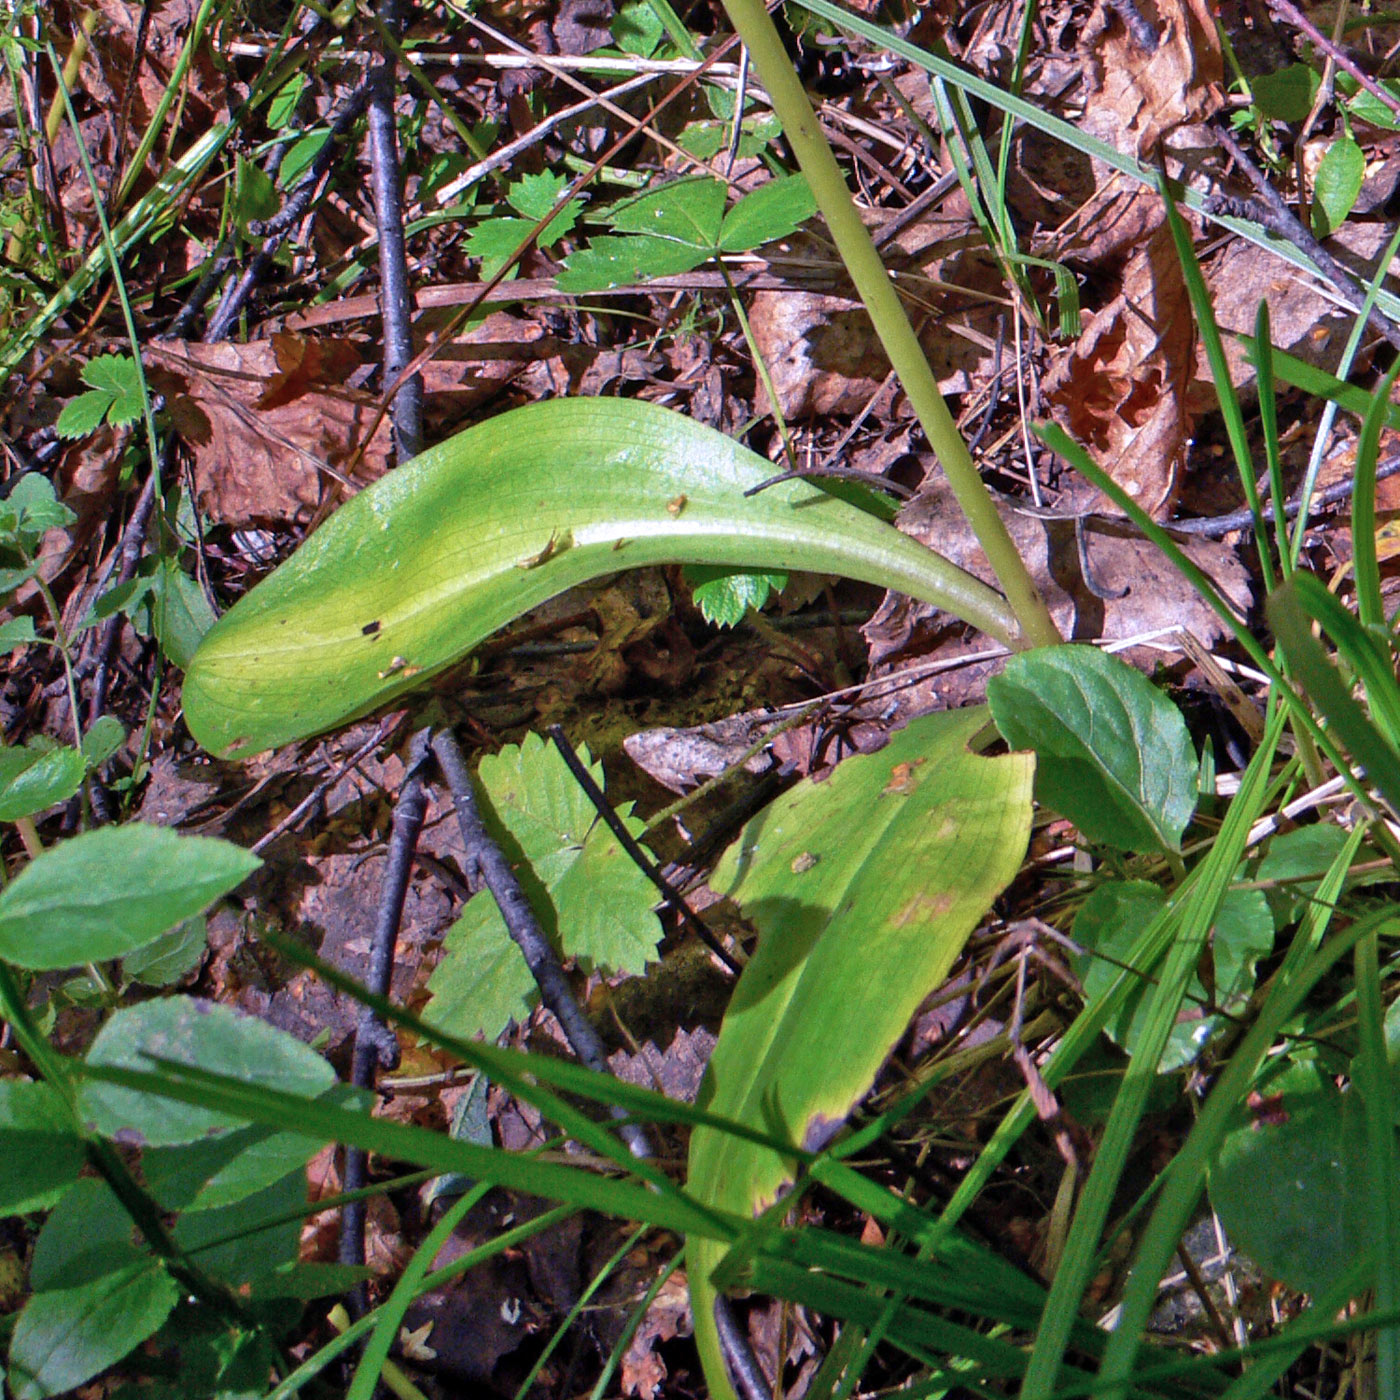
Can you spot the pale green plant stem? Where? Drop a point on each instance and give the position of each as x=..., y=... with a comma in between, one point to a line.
x=754, y=26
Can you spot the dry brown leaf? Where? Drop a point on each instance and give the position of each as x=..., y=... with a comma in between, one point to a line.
x=264, y=466
x=1122, y=391
x=1157, y=597
x=1303, y=320
x=643, y=1370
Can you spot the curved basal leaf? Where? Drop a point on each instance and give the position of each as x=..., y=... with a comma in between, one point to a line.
x=864, y=889
x=416, y=570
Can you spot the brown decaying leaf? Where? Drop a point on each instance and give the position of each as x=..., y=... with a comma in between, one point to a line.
x=643, y=1370
x=1121, y=392
x=1157, y=596
x=263, y=465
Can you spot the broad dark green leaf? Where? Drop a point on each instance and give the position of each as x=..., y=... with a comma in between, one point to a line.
x=1112, y=752
x=1290, y=1182
x=864, y=889
x=190, y=1032
x=107, y=892
x=66, y=1336
x=39, y=1146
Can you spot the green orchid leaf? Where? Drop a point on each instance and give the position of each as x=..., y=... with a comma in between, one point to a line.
x=864, y=889
x=416, y=570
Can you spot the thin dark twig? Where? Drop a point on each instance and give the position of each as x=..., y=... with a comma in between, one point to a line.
x=640, y=859
x=558, y=997
x=745, y=1374
x=395, y=302
x=1291, y=14
x=879, y=483
x=375, y=1044
x=317, y=793
x=1213, y=526
x=276, y=228
x=1279, y=219
x=129, y=556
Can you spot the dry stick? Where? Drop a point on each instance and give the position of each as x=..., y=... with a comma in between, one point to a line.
x=275, y=229
x=1279, y=219
x=1213, y=526
x=375, y=1044
x=1291, y=14
x=640, y=859
x=494, y=869
x=396, y=305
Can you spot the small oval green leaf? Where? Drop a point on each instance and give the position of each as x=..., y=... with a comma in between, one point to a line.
x=108, y=892
x=1112, y=751
x=197, y=1033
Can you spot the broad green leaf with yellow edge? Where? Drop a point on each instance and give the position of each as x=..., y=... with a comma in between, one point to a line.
x=407, y=577
x=863, y=889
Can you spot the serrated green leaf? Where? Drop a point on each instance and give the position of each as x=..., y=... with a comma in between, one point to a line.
x=1336, y=185
x=107, y=892
x=118, y=377
x=39, y=1145
x=773, y=210
x=494, y=240
x=616, y=262
x=66, y=1336
x=38, y=508
x=535, y=195
x=1113, y=754
x=84, y=413
x=689, y=210
x=724, y=596
x=481, y=983
x=565, y=857
x=190, y=1032
x=37, y=776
